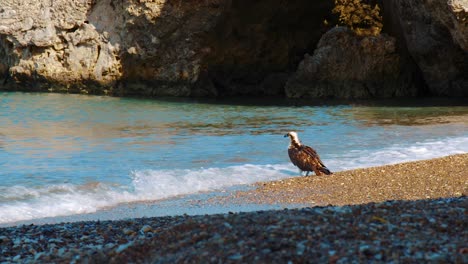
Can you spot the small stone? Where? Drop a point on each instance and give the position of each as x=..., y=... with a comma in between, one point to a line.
x=236, y=256
x=29, y=241
x=300, y=248
x=123, y=247
x=227, y=225
x=418, y=255
x=366, y=250
x=110, y=245
x=55, y=240
x=128, y=231
x=4, y=239
x=146, y=228
x=17, y=241
x=60, y=252
x=434, y=257
x=38, y=255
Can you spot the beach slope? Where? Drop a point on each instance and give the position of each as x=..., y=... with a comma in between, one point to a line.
x=426, y=179
x=411, y=212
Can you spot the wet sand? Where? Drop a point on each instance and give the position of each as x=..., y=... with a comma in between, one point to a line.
x=405, y=213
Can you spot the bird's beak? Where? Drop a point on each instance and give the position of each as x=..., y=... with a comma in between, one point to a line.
x=287, y=135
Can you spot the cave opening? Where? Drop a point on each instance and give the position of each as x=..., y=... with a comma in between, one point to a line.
x=256, y=45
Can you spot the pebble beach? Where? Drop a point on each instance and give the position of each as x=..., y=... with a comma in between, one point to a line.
x=412, y=212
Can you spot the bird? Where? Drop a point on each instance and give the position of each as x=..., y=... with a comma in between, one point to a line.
x=305, y=157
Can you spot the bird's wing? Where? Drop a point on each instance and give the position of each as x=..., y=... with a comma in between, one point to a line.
x=293, y=156
x=301, y=159
x=313, y=156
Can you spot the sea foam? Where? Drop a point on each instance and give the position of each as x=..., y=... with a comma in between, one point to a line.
x=398, y=153
x=18, y=203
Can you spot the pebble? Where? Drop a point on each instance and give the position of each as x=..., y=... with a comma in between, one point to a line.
x=297, y=235
x=235, y=257
x=123, y=247
x=300, y=248
x=405, y=181
x=109, y=245
x=4, y=239
x=415, y=231
x=146, y=228
x=55, y=240
x=38, y=255
x=128, y=231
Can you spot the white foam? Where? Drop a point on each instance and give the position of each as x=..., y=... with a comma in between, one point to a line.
x=157, y=184
x=48, y=202
x=399, y=153
x=60, y=200
x=19, y=203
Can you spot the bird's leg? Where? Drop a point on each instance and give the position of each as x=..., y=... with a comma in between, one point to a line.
x=307, y=173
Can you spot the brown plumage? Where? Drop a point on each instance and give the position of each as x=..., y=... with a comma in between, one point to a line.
x=305, y=157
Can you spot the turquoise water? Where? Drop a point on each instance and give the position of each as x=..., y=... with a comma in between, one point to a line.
x=75, y=154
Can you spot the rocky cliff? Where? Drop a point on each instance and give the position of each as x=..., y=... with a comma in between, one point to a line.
x=152, y=48
x=225, y=47
x=433, y=33
x=116, y=47
x=348, y=66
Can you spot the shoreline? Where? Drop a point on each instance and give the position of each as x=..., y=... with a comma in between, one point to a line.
x=268, y=100
x=420, y=216
x=425, y=179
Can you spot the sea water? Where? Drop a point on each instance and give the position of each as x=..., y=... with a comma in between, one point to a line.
x=68, y=155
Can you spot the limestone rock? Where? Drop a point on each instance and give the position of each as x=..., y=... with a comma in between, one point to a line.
x=49, y=45
x=345, y=65
x=459, y=18
x=224, y=47
x=152, y=48
x=254, y=43
x=435, y=35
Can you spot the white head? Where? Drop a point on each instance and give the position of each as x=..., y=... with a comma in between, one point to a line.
x=294, y=138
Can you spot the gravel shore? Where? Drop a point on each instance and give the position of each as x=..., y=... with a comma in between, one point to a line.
x=425, y=221
x=426, y=179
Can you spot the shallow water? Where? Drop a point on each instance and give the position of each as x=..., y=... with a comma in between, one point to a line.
x=74, y=154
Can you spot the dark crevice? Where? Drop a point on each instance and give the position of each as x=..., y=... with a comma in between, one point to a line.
x=7, y=76
x=98, y=52
x=73, y=29
x=252, y=40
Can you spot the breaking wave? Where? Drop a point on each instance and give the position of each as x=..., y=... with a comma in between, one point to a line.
x=399, y=153
x=20, y=203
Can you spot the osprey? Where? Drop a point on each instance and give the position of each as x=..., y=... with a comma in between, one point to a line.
x=305, y=157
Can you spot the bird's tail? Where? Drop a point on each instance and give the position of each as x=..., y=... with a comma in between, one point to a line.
x=325, y=170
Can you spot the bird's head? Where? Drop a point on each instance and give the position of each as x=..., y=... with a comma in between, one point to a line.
x=293, y=136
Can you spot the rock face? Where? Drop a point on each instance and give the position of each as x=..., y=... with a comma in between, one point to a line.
x=256, y=44
x=52, y=46
x=225, y=47
x=152, y=48
x=83, y=45
x=435, y=35
x=161, y=43
x=345, y=65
